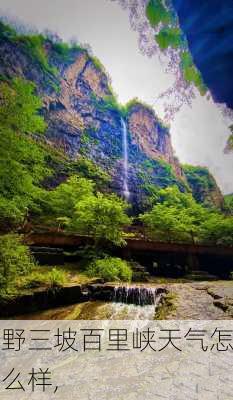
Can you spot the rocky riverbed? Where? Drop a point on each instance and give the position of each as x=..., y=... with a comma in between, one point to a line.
x=202, y=300
x=190, y=300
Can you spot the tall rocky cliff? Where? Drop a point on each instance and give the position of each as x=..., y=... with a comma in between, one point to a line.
x=84, y=117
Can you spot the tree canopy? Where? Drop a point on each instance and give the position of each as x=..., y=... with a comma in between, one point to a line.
x=77, y=206
x=22, y=161
x=176, y=216
x=102, y=216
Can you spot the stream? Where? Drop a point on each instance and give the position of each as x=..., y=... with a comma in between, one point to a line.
x=127, y=303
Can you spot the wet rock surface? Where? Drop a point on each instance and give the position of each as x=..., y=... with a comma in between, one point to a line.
x=223, y=298
x=199, y=300
x=191, y=301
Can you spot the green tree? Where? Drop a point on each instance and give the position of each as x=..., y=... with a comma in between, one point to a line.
x=15, y=260
x=228, y=204
x=171, y=223
x=217, y=229
x=20, y=107
x=175, y=217
x=102, y=216
x=22, y=161
x=76, y=205
x=62, y=200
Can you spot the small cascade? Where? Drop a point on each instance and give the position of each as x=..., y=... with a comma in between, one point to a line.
x=125, y=159
x=139, y=296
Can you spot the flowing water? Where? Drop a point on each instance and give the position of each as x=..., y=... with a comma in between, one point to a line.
x=125, y=160
x=128, y=303
x=135, y=303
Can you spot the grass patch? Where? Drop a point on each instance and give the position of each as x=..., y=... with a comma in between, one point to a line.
x=166, y=306
x=110, y=269
x=49, y=277
x=65, y=51
x=35, y=47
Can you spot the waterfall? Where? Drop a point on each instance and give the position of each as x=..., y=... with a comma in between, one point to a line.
x=140, y=296
x=125, y=159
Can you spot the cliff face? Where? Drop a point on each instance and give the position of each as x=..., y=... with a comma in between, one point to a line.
x=84, y=118
x=203, y=185
x=151, y=136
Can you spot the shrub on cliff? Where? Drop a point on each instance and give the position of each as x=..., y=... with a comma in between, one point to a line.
x=88, y=169
x=15, y=260
x=110, y=269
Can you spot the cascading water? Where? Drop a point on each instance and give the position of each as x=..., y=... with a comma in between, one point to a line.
x=140, y=296
x=135, y=302
x=125, y=159
x=108, y=302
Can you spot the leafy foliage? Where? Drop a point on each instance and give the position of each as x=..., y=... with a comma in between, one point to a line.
x=57, y=277
x=62, y=200
x=6, y=31
x=87, y=169
x=35, y=46
x=22, y=161
x=228, y=204
x=174, y=217
x=156, y=13
x=20, y=107
x=217, y=229
x=43, y=277
x=191, y=73
x=79, y=208
x=102, y=216
x=169, y=37
x=201, y=183
x=110, y=269
x=158, y=173
x=66, y=51
x=15, y=260
x=177, y=217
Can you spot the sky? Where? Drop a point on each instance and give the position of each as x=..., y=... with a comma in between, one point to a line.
x=199, y=133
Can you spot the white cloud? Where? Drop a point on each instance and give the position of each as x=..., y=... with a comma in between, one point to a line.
x=199, y=135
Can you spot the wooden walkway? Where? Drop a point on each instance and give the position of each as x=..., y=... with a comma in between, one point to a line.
x=59, y=239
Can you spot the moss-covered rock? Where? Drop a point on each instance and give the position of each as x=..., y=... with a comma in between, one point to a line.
x=203, y=185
